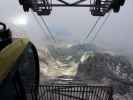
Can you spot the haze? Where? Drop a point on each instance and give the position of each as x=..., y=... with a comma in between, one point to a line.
x=70, y=25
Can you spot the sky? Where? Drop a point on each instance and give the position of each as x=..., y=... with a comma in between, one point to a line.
x=70, y=25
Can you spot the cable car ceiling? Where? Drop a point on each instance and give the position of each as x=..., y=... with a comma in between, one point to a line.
x=97, y=7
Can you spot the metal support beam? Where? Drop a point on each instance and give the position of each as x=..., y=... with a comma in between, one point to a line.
x=62, y=1
x=79, y=1
x=44, y=7
x=74, y=5
x=69, y=5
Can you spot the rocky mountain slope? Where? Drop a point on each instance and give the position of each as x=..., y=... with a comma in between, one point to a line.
x=88, y=62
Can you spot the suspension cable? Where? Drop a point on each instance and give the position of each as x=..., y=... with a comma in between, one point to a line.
x=49, y=31
x=92, y=29
x=40, y=25
x=100, y=28
x=89, y=33
x=53, y=38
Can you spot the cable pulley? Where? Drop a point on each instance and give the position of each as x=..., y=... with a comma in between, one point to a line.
x=97, y=7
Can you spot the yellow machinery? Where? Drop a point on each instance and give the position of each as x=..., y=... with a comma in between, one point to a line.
x=19, y=77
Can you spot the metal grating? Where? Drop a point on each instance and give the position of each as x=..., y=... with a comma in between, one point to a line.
x=72, y=91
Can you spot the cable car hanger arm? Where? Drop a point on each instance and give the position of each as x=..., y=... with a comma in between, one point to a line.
x=97, y=7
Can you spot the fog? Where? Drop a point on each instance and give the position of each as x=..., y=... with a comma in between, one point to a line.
x=70, y=25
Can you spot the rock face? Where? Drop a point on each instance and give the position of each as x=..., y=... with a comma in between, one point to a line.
x=114, y=70
x=106, y=68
